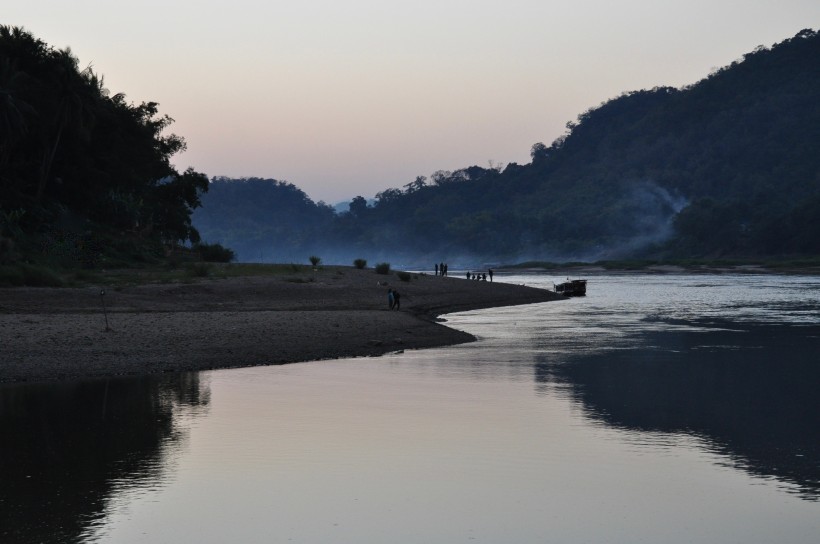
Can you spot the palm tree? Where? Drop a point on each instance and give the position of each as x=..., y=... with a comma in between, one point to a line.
x=13, y=110
x=76, y=93
x=18, y=115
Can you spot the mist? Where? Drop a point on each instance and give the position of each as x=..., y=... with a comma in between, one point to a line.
x=268, y=221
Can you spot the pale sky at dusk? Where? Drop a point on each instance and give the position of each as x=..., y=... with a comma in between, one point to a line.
x=351, y=97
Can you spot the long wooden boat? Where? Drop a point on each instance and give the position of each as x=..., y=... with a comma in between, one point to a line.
x=572, y=288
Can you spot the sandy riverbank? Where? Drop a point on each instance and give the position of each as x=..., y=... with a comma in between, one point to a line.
x=48, y=334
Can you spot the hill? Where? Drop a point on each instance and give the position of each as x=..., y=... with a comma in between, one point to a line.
x=263, y=219
x=725, y=167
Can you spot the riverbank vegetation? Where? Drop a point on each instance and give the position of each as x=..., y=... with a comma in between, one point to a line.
x=169, y=272
x=806, y=265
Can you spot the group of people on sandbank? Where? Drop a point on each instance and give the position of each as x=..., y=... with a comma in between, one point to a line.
x=480, y=276
x=441, y=270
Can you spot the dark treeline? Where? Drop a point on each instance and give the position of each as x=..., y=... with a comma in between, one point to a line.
x=85, y=176
x=726, y=167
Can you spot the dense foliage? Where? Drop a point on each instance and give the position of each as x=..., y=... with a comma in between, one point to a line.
x=85, y=176
x=738, y=151
x=726, y=167
x=263, y=219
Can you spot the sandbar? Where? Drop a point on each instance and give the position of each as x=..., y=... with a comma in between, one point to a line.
x=51, y=334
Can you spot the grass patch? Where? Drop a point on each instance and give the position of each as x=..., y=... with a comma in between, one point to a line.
x=794, y=263
x=11, y=276
x=31, y=275
x=199, y=270
x=404, y=276
x=85, y=277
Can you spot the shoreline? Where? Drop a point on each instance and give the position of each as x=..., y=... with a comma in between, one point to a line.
x=50, y=334
x=597, y=269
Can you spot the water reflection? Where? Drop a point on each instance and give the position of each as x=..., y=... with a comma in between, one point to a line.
x=749, y=391
x=730, y=359
x=67, y=447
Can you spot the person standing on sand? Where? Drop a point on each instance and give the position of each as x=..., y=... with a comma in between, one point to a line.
x=396, y=300
x=491, y=274
x=391, y=299
x=436, y=269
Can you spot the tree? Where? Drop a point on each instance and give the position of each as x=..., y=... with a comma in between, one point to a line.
x=539, y=152
x=415, y=185
x=174, y=199
x=75, y=160
x=387, y=196
x=358, y=206
x=73, y=109
x=14, y=112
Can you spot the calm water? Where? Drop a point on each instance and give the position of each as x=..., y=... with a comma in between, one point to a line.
x=671, y=408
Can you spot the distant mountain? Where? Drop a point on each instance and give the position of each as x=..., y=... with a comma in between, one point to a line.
x=728, y=166
x=262, y=220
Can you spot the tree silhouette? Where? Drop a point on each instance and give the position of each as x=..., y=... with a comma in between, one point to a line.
x=79, y=164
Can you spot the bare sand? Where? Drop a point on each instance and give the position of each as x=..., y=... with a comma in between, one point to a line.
x=60, y=333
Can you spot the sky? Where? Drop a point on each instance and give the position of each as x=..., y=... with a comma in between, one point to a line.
x=351, y=97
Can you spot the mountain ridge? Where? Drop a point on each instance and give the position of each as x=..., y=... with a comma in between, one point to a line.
x=725, y=167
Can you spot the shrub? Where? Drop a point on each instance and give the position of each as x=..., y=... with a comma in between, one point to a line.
x=404, y=276
x=40, y=276
x=199, y=270
x=173, y=261
x=85, y=276
x=382, y=268
x=360, y=263
x=7, y=254
x=11, y=276
x=215, y=253
x=314, y=260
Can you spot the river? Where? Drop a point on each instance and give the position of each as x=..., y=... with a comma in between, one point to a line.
x=658, y=408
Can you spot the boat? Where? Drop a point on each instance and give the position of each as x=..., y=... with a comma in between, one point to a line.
x=572, y=288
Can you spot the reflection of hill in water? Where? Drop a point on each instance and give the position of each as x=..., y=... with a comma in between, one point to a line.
x=66, y=447
x=753, y=395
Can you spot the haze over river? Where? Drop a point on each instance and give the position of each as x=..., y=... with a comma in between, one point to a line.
x=659, y=408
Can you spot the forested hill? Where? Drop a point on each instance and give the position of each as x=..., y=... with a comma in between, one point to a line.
x=729, y=166
x=740, y=150
x=264, y=219
x=85, y=175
